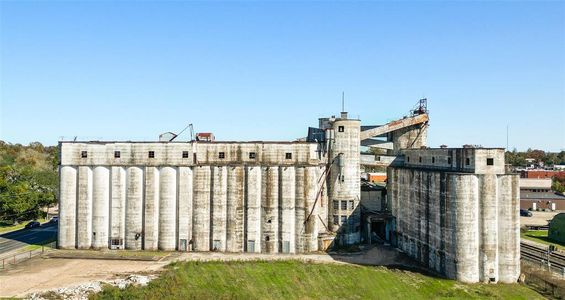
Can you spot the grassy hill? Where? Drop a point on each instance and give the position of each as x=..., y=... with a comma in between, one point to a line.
x=298, y=280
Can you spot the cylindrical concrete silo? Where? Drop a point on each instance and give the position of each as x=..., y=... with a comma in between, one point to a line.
x=151, y=209
x=234, y=209
x=167, y=208
x=287, y=196
x=134, y=208
x=311, y=226
x=118, y=203
x=344, y=181
x=466, y=227
x=185, y=208
x=201, y=210
x=488, y=255
x=299, y=209
x=219, y=203
x=67, y=207
x=253, y=242
x=508, y=228
x=84, y=209
x=100, y=207
x=270, y=209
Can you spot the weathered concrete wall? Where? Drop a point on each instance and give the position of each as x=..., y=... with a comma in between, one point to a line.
x=462, y=225
x=235, y=203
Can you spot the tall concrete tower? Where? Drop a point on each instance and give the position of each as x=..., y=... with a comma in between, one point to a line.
x=345, y=182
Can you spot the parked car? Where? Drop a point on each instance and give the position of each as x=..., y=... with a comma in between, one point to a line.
x=33, y=224
x=525, y=213
x=54, y=220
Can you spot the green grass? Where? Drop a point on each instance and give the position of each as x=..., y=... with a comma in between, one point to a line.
x=540, y=236
x=298, y=280
x=7, y=226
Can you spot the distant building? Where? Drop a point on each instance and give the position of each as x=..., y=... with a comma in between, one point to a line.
x=540, y=173
x=205, y=137
x=537, y=194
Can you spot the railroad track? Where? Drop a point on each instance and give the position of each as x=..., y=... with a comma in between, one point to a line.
x=540, y=255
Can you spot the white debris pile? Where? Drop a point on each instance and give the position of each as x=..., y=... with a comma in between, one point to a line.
x=131, y=280
x=81, y=291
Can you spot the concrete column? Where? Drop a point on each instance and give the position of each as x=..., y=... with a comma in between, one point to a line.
x=167, y=208
x=253, y=209
x=508, y=228
x=219, y=203
x=84, y=211
x=185, y=207
x=466, y=227
x=134, y=208
x=270, y=209
x=151, y=224
x=311, y=191
x=201, y=215
x=118, y=203
x=287, y=196
x=101, y=207
x=488, y=255
x=67, y=207
x=299, y=209
x=234, y=209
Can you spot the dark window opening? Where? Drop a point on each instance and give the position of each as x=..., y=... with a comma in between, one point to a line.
x=343, y=205
x=449, y=160
x=151, y=154
x=341, y=129
x=336, y=219
x=490, y=161
x=117, y=154
x=336, y=204
x=185, y=154
x=351, y=204
x=267, y=238
x=408, y=158
x=269, y=221
x=420, y=159
x=467, y=161
x=433, y=160
x=252, y=155
x=84, y=154
x=288, y=155
x=222, y=155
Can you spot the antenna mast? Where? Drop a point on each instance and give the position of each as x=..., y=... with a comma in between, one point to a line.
x=342, y=101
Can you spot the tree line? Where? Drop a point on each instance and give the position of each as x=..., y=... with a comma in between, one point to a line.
x=28, y=180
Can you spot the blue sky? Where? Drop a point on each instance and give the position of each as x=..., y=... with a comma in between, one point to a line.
x=268, y=70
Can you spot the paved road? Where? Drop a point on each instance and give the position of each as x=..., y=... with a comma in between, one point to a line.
x=16, y=239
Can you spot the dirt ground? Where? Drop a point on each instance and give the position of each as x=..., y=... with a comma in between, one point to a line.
x=43, y=274
x=538, y=218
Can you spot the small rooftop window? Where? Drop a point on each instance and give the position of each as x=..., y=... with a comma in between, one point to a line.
x=288, y=155
x=420, y=159
x=117, y=154
x=151, y=154
x=467, y=161
x=84, y=154
x=433, y=160
x=185, y=154
x=252, y=155
x=340, y=128
x=490, y=161
x=221, y=155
